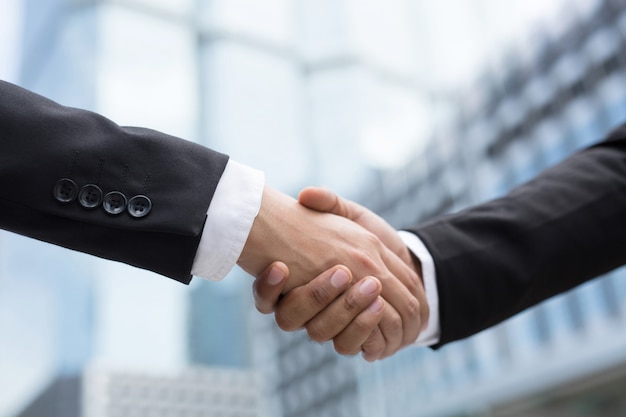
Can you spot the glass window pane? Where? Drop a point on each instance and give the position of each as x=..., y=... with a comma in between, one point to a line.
x=253, y=112
x=249, y=21
x=146, y=72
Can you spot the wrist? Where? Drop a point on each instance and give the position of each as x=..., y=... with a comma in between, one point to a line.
x=266, y=243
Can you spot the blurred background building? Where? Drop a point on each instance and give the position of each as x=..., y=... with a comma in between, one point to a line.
x=413, y=108
x=200, y=392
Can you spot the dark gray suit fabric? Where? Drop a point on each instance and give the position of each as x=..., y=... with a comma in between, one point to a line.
x=545, y=237
x=42, y=142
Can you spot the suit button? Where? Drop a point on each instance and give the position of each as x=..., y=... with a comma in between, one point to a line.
x=65, y=190
x=114, y=202
x=90, y=196
x=139, y=206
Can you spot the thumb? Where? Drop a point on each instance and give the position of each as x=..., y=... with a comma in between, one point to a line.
x=325, y=200
x=268, y=286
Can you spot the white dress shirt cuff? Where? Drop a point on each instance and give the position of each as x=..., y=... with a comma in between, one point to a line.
x=431, y=335
x=232, y=211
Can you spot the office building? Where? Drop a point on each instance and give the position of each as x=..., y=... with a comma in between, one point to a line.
x=217, y=322
x=62, y=397
x=195, y=392
x=360, y=96
x=566, y=356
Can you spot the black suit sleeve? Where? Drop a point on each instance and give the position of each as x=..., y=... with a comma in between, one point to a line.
x=547, y=236
x=50, y=153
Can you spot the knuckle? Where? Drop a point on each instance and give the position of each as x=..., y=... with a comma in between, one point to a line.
x=392, y=326
x=411, y=284
x=320, y=296
x=356, y=253
x=316, y=332
x=350, y=302
x=285, y=322
x=413, y=307
x=374, y=345
x=366, y=261
x=344, y=348
x=370, y=262
x=262, y=307
x=363, y=326
x=373, y=339
x=373, y=241
x=413, y=325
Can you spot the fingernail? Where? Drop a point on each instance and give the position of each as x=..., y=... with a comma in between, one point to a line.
x=275, y=277
x=368, y=286
x=339, y=278
x=376, y=306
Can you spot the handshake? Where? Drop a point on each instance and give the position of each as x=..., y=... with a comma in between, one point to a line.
x=344, y=274
x=337, y=270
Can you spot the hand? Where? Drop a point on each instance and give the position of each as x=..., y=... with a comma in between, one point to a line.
x=311, y=242
x=327, y=201
x=328, y=306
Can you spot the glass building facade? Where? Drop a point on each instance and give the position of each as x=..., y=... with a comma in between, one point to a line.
x=413, y=108
x=197, y=392
x=531, y=114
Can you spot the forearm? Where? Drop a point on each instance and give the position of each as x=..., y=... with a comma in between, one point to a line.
x=42, y=142
x=547, y=236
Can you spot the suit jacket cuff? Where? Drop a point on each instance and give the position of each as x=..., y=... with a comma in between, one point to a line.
x=431, y=335
x=232, y=211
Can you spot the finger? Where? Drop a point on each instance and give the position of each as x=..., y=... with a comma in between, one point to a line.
x=343, y=311
x=325, y=200
x=404, y=291
x=318, y=198
x=401, y=321
x=303, y=303
x=358, y=333
x=390, y=327
x=402, y=287
x=268, y=287
x=373, y=347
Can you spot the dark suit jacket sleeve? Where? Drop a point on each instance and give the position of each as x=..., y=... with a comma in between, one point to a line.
x=42, y=142
x=549, y=235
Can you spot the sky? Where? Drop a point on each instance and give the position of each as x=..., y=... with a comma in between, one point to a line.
x=10, y=30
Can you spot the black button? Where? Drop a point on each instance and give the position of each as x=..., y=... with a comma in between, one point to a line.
x=65, y=190
x=90, y=196
x=139, y=206
x=114, y=202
